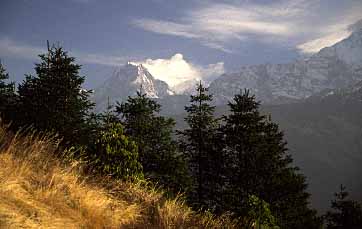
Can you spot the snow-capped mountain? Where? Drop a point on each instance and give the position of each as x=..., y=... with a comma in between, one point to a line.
x=126, y=81
x=333, y=67
x=338, y=66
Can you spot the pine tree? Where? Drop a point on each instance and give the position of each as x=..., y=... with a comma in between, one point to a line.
x=7, y=95
x=54, y=99
x=258, y=164
x=158, y=153
x=198, y=144
x=347, y=214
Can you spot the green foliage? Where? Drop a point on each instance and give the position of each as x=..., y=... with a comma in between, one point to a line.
x=97, y=122
x=346, y=214
x=199, y=144
x=259, y=214
x=258, y=164
x=54, y=99
x=115, y=154
x=158, y=153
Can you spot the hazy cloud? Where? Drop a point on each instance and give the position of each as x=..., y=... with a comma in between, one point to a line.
x=11, y=48
x=218, y=25
x=165, y=27
x=100, y=59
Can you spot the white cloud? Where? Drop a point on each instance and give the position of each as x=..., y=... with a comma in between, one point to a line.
x=229, y=22
x=165, y=27
x=177, y=72
x=304, y=24
x=217, y=24
x=11, y=48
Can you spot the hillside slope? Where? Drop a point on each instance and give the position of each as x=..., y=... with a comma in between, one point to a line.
x=39, y=191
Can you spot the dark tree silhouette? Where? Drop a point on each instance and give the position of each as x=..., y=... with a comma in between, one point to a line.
x=54, y=99
x=258, y=164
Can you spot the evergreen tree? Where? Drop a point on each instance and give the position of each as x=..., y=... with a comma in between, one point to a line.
x=7, y=95
x=199, y=144
x=54, y=99
x=258, y=164
x=347, y=214
x=158, y=153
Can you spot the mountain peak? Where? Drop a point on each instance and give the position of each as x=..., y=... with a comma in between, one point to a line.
x=126, y=81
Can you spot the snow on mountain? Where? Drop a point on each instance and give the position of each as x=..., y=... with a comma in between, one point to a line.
x=338, y=66
x=126, y=81
x=333, y=67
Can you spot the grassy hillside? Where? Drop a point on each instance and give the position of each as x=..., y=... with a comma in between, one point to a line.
x=39, y=190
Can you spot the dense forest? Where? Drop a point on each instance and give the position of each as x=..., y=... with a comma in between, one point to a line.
x=237, y=164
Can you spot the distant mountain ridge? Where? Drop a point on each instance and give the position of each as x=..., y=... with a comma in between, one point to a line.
x=338, y=66
x=333, y=67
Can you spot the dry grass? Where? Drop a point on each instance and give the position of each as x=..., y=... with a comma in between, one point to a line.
x=37, y=190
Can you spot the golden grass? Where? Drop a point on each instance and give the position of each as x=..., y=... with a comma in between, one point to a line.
x=40, y=190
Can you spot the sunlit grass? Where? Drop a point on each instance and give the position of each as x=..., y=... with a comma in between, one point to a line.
x=40, y=190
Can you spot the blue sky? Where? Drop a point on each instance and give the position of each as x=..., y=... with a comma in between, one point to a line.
x=211, y=36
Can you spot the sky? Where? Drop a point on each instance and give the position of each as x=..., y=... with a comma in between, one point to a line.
x=176, y=40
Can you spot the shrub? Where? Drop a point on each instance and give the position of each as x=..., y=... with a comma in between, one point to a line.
x=116, y=155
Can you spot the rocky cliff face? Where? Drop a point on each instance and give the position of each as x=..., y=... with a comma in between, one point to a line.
x=333, y=67
x=125, y=82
